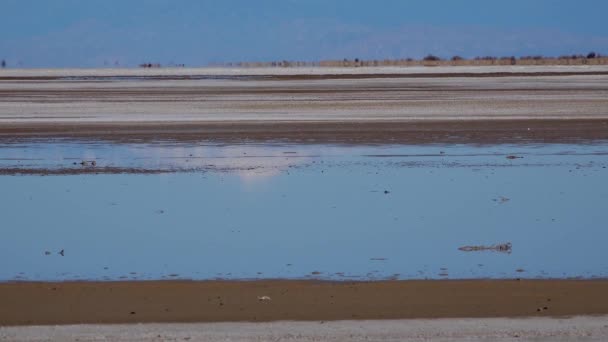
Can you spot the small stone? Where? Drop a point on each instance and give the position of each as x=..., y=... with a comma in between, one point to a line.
x=264, y=298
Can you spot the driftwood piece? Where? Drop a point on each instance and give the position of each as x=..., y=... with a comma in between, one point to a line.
x=503, y=248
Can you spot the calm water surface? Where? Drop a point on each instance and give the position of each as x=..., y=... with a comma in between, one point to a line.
x=300, y=211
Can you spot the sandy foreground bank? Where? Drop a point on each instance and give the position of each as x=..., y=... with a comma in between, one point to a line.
x=488, y=329
x=282, y=108
x=224, y=301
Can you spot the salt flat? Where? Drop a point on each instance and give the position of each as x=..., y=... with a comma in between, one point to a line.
x=378, y=99
x=487, y=329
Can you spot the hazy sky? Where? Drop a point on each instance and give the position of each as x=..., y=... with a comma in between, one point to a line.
x=85, y=33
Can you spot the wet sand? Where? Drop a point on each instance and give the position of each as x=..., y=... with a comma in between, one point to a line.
x=226, y=301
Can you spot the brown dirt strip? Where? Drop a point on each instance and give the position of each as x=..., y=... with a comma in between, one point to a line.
x=215, y=301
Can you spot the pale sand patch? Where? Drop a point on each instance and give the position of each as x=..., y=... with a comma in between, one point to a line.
x=235, y=71
x=486, y=329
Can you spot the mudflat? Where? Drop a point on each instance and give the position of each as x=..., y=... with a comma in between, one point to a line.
x=270, y=300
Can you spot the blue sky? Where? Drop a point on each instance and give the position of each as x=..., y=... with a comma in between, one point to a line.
x=88, y=33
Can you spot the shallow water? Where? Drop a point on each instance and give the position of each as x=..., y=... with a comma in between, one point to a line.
x=299, y=211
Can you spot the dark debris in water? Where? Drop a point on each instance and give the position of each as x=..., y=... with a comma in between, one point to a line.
x=90, y=163
x=501, y=199
x=502, y=248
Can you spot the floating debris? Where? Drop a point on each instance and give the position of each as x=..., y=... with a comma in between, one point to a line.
x=503, y=248
x=501, y=199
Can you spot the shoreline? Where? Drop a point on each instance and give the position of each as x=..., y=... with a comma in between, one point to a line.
x=495, y=131
x=40, y=303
